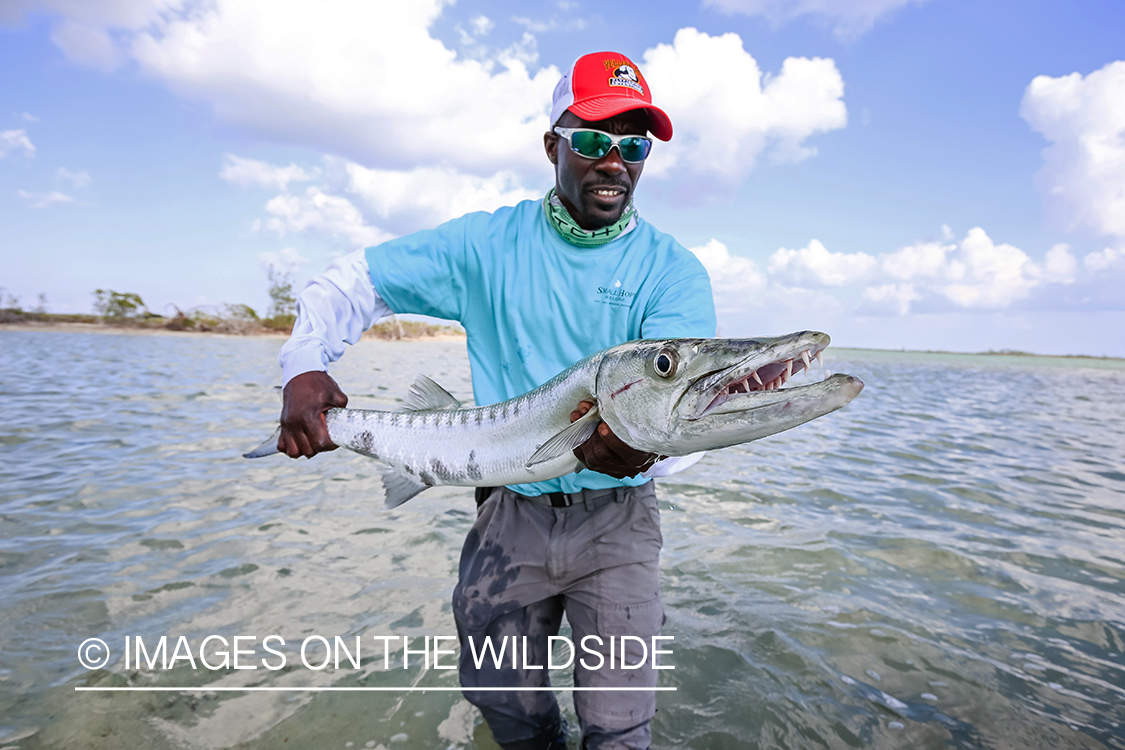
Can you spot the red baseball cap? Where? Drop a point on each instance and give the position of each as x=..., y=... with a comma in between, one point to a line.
x=603, y=84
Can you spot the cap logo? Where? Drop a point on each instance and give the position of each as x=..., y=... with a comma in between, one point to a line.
x=624, y=75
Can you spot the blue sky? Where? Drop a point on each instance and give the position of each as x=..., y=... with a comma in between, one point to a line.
x=900, y=174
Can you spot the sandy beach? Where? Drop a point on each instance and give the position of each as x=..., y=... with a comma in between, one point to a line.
x=102, y=328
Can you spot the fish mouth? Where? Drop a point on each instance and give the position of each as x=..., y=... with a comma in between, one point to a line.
x=751, y=382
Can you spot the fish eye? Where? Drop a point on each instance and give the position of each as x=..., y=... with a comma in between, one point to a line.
x=665, y=363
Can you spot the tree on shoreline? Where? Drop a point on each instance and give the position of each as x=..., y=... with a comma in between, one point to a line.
x=283, y=303
x=119, y=306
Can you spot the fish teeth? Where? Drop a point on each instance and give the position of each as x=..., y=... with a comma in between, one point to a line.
x=805, y=359
x=788, y=369
x=755, y=376
x=820, y=358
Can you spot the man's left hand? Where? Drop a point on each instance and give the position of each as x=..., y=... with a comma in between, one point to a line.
x=606, y=453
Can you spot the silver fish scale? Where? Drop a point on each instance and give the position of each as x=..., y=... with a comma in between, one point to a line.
x=479, y=446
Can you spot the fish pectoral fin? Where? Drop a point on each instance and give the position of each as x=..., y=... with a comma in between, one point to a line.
x=426, y=395
x=399, y=486
x=267, y=448
x=567, y=440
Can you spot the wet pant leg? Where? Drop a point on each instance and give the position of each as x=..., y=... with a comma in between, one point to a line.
x=616, y=602
x=598, y=561
x=517, y=719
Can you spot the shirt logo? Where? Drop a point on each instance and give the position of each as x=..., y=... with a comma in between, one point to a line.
x=616, y=295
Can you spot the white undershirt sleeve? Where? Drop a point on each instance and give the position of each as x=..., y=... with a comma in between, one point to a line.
x=334, y=309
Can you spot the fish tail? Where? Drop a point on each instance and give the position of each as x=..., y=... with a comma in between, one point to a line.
x=268, y=446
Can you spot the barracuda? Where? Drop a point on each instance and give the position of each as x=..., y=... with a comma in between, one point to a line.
x=672, y=397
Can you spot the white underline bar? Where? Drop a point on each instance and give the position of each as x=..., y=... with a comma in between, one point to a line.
x=205, y=689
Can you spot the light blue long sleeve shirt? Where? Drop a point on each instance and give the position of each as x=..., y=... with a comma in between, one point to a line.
x=533, y=304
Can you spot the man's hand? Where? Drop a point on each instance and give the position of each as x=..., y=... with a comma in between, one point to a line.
x=605, y=453
x=304, y=401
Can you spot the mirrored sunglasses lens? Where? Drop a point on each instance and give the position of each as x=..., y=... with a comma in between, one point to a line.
x=590, y=145
x=635, y=149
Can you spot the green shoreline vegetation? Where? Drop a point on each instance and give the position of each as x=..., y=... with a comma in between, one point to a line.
x=126, y=310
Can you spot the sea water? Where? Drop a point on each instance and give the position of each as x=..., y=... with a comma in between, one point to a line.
x=940, y=564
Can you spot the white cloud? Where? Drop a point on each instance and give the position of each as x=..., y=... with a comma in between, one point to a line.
x=734, y=279
x=849, y=18
x=1105, y=260
x=532, y=25
x=926, y=259
x=554, y=24
x=91, y=46
x=1060, y=265
x=727, y=269
x=471, y=46
x=727, y=114
x=975, y=273
x=890, y=298
x=994, y=275
x=44, y=200
x=124, y=14
x=383, y=203
x=749, y=302
x=286, y=260
x=28, y=117
x=247, y=172
x=525, y=52
x=481, y=25
x=366, y=80
x=10, y=140
x=1083, y=179
x=85, y=29
x=737, y=285
x=78, y=179
x=817, y=266
x=814, y=283
x=318, y=212
x=408, y=200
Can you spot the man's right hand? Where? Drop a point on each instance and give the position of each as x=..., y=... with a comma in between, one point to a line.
x=304, y=401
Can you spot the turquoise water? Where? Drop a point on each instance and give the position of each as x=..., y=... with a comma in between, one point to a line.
x=941, y=564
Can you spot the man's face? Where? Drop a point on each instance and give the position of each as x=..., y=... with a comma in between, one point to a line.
x=595, y=191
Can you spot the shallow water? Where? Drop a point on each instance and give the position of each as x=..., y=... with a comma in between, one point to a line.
x=941, y=564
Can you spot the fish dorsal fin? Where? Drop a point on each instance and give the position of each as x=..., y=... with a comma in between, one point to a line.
x=399, y=487
x=426, y=395
x=567, y=440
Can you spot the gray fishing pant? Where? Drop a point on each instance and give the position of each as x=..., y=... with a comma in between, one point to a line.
x=523, y=565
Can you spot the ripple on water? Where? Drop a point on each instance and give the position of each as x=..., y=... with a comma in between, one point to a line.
x=930, y=567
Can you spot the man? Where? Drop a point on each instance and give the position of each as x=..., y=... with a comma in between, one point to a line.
x=538, y=286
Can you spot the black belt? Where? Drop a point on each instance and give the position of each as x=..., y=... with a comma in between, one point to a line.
x=593, y=499
x=556, y=499
x=560, y=499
